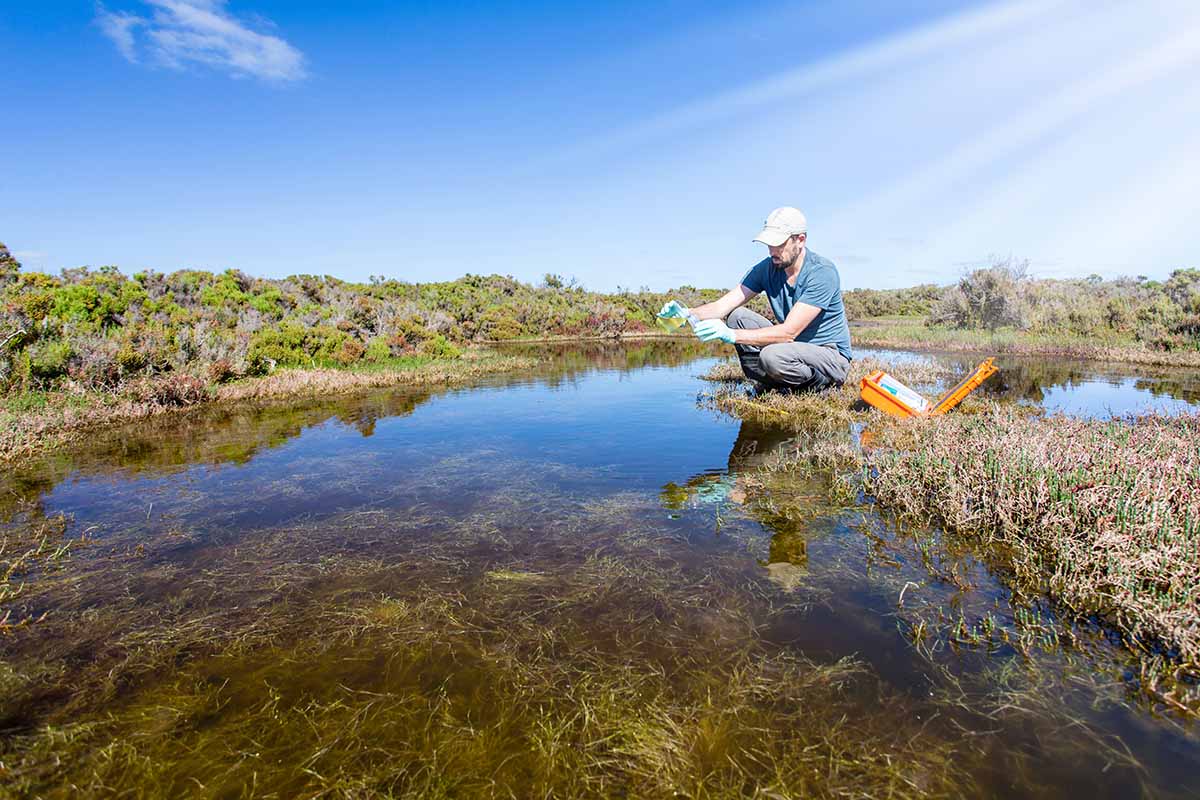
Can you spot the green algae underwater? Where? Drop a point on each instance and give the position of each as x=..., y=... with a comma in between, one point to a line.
x=573, y=583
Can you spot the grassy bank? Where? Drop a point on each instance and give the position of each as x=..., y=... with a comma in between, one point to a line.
x=1101, y=516
x=1001, y=309
x=33, y=422
x=914, y=333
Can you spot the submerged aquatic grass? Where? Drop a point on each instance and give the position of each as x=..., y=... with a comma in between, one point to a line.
x=32, y=544
x=428, y=656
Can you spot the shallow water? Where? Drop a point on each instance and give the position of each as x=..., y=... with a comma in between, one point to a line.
x=1078, y=388
x=587, y=541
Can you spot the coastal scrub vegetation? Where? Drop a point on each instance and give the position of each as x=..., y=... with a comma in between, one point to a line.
x=1159, y=316
x=101, y=330
x=88, y=347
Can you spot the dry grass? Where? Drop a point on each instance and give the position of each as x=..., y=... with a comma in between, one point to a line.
x=835, y=410
x=915, y=335
x=724, y=372
x=323, y=382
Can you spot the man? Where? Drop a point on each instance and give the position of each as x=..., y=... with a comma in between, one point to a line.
x=809, y=348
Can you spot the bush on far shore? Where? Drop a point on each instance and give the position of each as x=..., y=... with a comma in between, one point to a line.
x=100, y=329
x=1161, y=316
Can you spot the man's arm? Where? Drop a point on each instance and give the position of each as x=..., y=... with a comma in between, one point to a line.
x=799, y=318
x=723, y=307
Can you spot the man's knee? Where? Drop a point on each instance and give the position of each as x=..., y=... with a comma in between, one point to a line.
x=783, y=368
x=742, y=317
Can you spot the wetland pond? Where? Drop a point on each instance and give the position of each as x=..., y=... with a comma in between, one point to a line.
x=559, y=584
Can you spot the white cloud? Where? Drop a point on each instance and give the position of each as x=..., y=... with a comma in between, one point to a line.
x=177, y=33
x=118, y=26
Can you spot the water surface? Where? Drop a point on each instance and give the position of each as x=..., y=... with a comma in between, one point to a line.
x=590, y=522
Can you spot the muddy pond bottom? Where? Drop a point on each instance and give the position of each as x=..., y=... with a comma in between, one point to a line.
x=564, y=584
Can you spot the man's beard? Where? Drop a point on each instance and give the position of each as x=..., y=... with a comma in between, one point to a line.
x=781, y=264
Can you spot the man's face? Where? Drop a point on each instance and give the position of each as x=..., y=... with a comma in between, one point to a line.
x=785, y=255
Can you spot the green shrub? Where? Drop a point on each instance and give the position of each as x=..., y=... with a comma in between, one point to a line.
x=349, y=353
x=916, y=301
x=227, y=291
x=378, y=351
x=130, y=359
x=293, y=344
x=498, y=324
x=32, y=295
x=439, y=347
x=49, y=359
x=269, y=301
x=9, y=267
x=1183, y=287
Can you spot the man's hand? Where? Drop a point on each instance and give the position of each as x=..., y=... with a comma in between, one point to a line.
x=673, y=309
x=712, y=329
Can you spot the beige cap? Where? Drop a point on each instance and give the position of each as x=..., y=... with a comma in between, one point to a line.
x=782, y=224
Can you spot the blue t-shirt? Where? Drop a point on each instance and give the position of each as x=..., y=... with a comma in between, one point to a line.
x=817, y=284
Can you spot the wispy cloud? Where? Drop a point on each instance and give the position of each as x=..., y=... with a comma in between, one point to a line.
x=958, y=30
x=176, y=33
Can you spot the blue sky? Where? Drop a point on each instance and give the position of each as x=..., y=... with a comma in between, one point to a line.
x=623, y=143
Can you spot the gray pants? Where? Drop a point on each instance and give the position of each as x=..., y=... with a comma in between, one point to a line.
x=789, y=365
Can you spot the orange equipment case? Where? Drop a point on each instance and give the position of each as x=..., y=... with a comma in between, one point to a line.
x=887, y=394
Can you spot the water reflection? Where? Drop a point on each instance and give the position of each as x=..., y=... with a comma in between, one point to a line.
x=1087, y=387
x=786, y=558
x=237, y=434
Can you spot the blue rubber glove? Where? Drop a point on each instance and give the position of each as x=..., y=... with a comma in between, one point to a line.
x=673, y=309
x=711, y=329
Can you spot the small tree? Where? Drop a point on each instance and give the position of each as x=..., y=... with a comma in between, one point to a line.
x=9, y=266
x=1183, y=287
x=985, y=298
